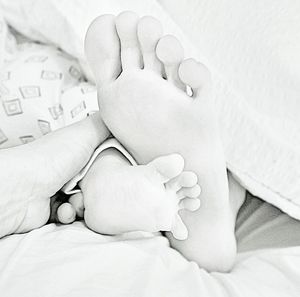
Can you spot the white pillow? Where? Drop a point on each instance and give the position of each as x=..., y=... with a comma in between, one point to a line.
x=253, y=53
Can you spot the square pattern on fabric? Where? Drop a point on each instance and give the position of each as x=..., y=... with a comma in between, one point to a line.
x=12, y=107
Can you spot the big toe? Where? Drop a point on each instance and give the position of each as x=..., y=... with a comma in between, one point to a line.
x=102, y=49
x=168, y=166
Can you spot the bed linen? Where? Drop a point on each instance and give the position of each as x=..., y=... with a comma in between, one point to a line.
x=254, y=49
x=74, y=261
x=41, y=91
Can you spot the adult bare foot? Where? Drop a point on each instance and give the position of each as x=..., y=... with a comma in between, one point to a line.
x=32, y=173
x=153, y=116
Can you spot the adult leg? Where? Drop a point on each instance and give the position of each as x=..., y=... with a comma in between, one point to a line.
x=32, y=173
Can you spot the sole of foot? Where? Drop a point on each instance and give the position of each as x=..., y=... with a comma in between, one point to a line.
x=156, y=103
x=122, y=198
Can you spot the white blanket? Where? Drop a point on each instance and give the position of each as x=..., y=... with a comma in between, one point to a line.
x=73, y=261
x=254, y=50
x=253, y=53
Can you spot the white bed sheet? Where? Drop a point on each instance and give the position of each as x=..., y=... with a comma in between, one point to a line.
x=74, y=261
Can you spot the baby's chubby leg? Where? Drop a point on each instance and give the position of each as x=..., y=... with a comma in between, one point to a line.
x=119, y=197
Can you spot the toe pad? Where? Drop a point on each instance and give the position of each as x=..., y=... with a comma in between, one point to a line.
x=149, y=31
x=193, y=73
x=169, y=50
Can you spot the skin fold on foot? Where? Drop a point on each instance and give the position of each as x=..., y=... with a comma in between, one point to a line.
x=142, y=79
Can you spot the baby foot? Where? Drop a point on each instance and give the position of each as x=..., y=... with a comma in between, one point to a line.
x=121, y=198
x=153, y=116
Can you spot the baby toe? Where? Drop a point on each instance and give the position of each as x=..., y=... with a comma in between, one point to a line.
x=76, y=201
x=179, y=229
x=168, y=167
x=190, y=204
x=185, y=179
x=192, y=192
x=66, y=213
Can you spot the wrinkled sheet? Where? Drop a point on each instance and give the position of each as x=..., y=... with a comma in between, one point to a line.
x=74, y=261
